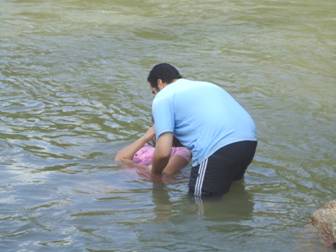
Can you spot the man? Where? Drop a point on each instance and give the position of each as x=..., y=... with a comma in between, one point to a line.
x=206, y=120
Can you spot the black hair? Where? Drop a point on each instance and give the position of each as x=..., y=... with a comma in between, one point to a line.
x=164, y=71
x=176, y=142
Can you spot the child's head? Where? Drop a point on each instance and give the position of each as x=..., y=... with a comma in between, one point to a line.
x=176, y=142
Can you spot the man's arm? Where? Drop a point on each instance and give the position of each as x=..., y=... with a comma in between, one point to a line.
x=162, y=152
x=175, y=164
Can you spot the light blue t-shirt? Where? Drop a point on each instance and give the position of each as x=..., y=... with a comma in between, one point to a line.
x=202, y=116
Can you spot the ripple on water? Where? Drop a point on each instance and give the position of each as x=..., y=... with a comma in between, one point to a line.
x=73, y=90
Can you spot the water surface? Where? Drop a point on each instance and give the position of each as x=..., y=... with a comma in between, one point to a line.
x=73, y=91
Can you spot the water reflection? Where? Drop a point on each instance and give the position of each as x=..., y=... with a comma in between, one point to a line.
x=232, y=207
x=184, y=224
x=163, y=207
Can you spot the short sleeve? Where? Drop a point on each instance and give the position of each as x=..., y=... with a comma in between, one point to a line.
x=163, y=114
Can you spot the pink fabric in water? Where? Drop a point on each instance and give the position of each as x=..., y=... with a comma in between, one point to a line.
x=145, y=155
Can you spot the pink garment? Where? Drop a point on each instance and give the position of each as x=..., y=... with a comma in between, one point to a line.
x=145, y=155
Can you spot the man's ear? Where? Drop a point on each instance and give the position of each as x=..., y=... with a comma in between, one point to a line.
x=161, y=84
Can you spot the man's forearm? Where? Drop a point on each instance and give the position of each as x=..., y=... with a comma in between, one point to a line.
x=162, y=153
x=159, y=164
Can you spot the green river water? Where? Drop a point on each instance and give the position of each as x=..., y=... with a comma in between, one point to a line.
x=73, y=91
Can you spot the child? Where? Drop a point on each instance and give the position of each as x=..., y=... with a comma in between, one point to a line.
x=140, y=153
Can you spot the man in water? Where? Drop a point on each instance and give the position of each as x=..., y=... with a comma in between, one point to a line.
x=209, y=122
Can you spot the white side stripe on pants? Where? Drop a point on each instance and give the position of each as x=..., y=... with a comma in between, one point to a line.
x=200, y=178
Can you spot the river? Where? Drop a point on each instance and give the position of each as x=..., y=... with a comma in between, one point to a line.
x=73, y=91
